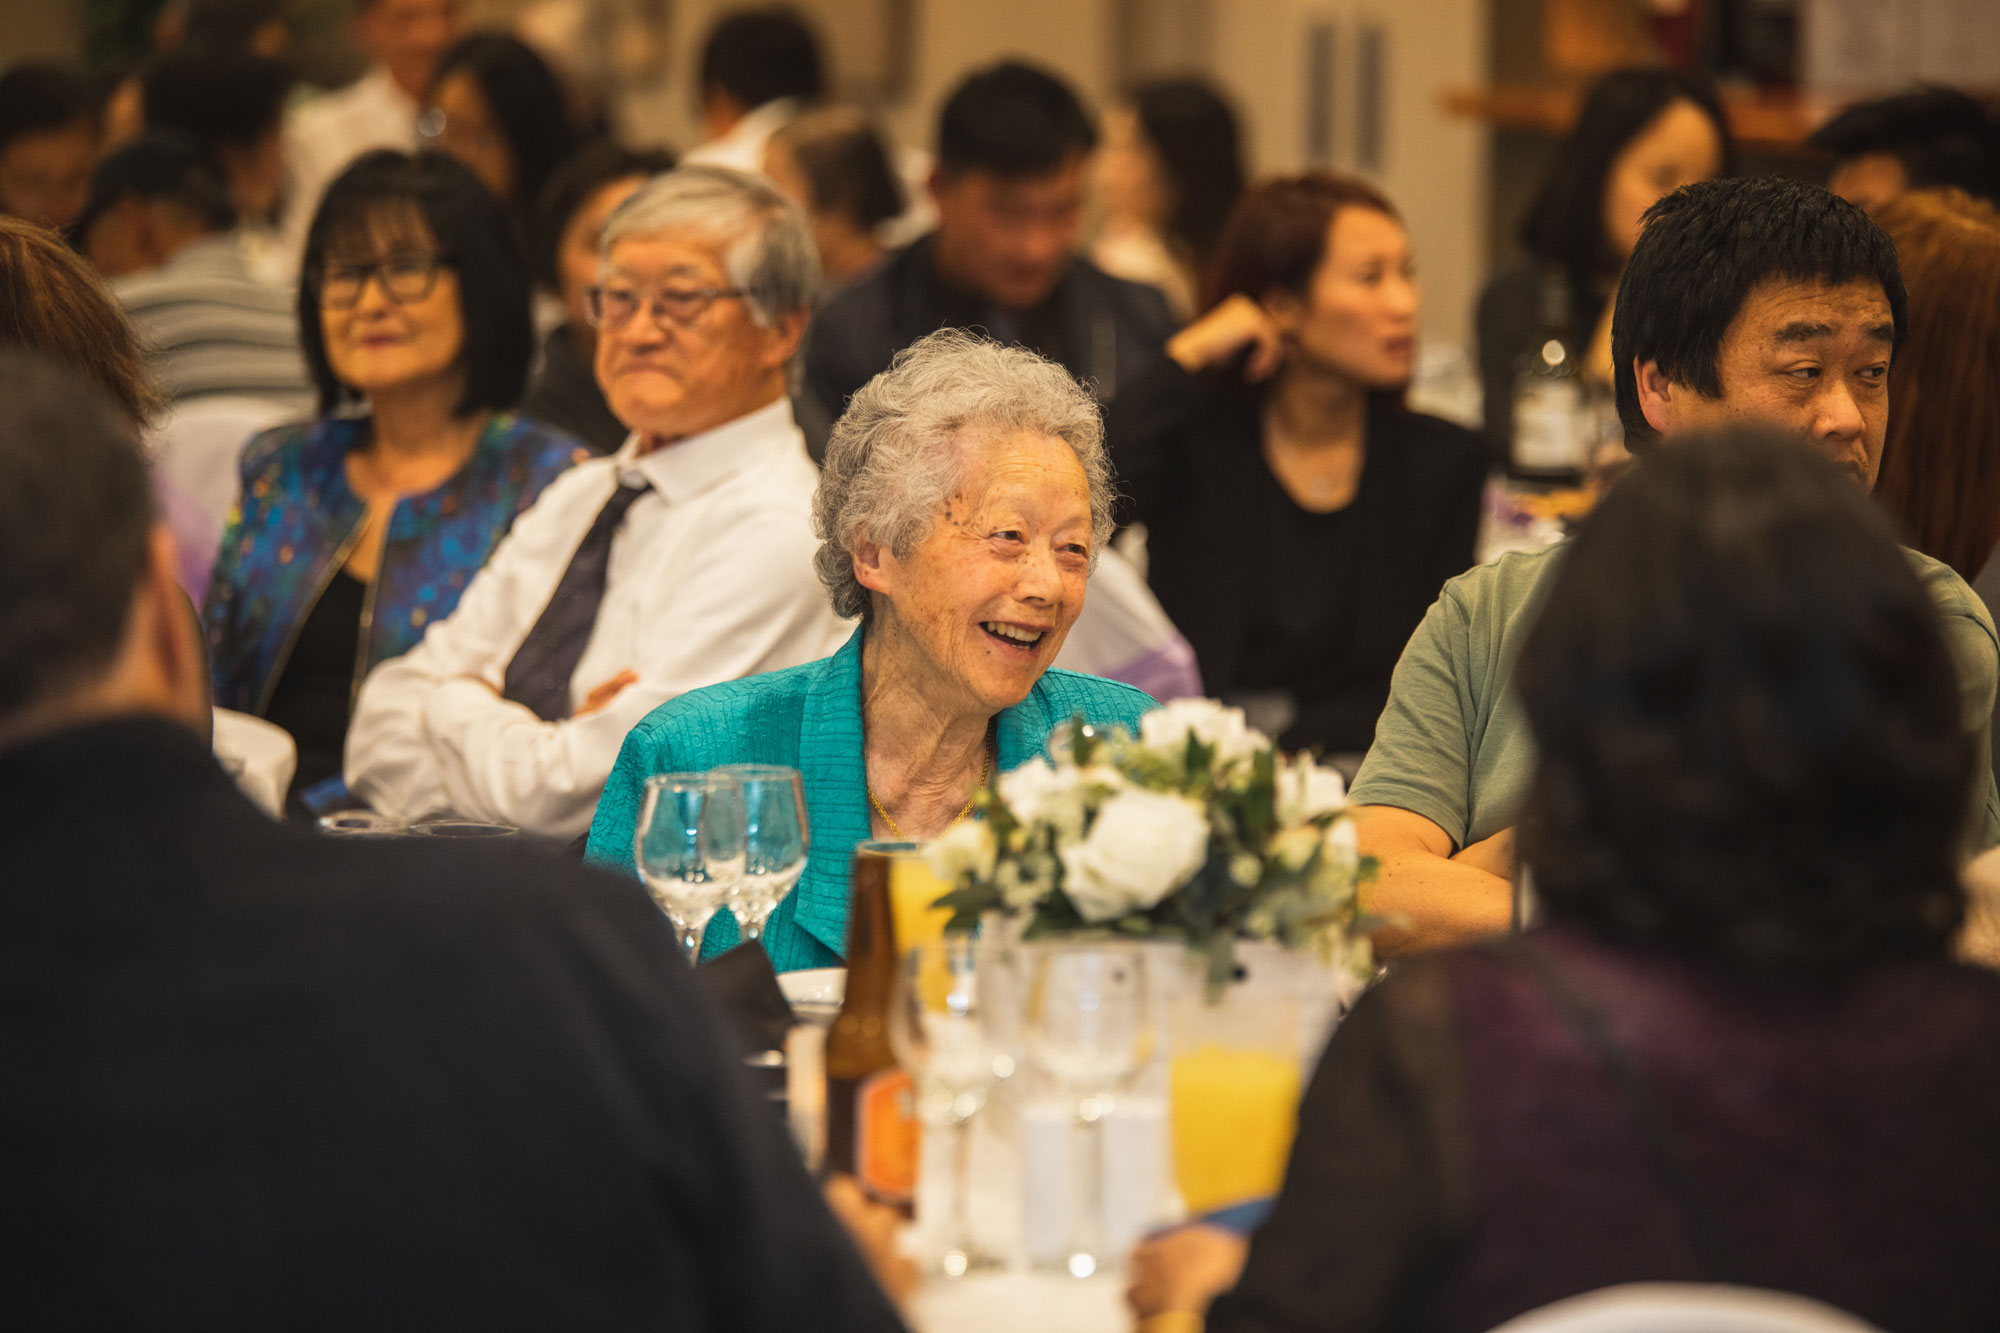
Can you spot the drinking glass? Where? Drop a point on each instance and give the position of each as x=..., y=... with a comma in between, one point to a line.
x=776, y=836
x=689, y=848
x=1088, y=1028
x=946, y=1027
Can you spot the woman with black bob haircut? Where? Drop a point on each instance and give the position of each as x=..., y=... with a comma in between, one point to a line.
x=1737, y=1049
x=497, y=107
x=1641, y=135
x=358, y=529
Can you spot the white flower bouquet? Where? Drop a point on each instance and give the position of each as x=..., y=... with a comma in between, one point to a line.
x=1198, y=828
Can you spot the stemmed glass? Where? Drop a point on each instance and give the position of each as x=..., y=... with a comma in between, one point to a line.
x=689, y=848
x=1089, y=1030
x=946, y=1027
x=776, y=835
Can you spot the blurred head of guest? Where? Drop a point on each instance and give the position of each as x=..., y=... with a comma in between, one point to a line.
x=1170, y=170
x=1329, y=264
x=1641, y=135
x=234, y=103
x=752, y=59
x=92, y=621
x=1940, y=468
x=249, y=27
x=414, y=284
x=149, y=200
x=48, y=141
x=497, y=107
x=408, y=38
x=1758, y=762
x=567, y=226
x=835, y=165
x=1013, y=154
x=1930, y=137
x=53, y=305
x=707, y=278
x=1762, y=300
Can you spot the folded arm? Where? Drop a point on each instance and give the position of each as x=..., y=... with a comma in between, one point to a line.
x=1435, y=897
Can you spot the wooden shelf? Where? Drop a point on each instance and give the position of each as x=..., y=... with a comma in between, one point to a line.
x=1762, y=122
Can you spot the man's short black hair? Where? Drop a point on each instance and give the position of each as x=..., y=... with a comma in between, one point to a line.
x=1746, y=719
x=217, y=97
x=1705, y=247
x=159, y=166
x=76, y=512
x=1940, y=136
x=36, y=98
x=473, y=234
x=589, y=169
x=762, y=55
x=228, y=25
x=1013, y=120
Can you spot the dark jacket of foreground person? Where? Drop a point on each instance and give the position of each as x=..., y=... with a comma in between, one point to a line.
x=1463, y=1156
x=258, y=1079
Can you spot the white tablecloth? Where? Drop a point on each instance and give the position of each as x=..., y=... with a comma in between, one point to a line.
x=1009, y=1302
x=260, y=755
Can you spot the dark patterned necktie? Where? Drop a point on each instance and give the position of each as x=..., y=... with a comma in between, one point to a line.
x=539, y=676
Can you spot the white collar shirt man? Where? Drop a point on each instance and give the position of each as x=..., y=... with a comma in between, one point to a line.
x=742, y=145
x=710, y=579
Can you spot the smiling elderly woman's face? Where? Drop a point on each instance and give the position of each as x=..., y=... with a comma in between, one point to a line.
x=990, y=593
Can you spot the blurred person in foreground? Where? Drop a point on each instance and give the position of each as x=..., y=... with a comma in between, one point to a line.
x=1013, y=155
x=264, y=1079
x=965, y=495
x=497, y=107
x=1748, y=300
x=835, y=163
x=563, y=244
x=760, y=67
x=682, y=560
x=160, y=225
x=1736, y=1050
x=358, y=530
x=1169, y=173
x=234, y=105
x=1640, y=135
x=1927, y=138
x=53, y=305
x=1299, y=518
x=48, y=141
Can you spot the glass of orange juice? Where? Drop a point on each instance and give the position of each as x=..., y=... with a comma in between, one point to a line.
x=1233, y=1089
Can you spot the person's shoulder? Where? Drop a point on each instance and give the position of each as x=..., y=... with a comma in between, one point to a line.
x=1504, y=585
x=1098, y=698
x=1441, y=444
x=544, y=448
x=277, y=453
x=1952, y=594
x=708, y=726
x=1139, y=302
x=865, y=299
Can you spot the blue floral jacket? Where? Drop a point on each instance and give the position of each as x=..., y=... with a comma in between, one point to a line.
x=297, y=519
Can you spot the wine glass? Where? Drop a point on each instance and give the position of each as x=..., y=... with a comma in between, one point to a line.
x=776, y=837
x=945, y=1027
x=1089, y=1030
x=689, y=848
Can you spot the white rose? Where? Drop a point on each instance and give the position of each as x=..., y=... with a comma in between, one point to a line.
x=1143, y=846
x=1343, y=846
x=1307, y=790
x=1167, y=728
x=966, y=848
x=1024, y=788
x=1025, y=880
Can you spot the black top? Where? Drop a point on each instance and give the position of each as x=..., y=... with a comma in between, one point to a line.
x=1274, y=598
x=1463, y=1155
x=1105, y=330
x=261, y=1079
x=314, y=696
x=565, y=395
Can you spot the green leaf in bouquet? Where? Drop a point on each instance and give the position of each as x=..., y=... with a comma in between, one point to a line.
x=968, y=903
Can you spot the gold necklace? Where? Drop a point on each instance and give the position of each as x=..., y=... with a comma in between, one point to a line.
x=985, y=770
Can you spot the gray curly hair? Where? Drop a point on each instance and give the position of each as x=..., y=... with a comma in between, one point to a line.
x=895, y=455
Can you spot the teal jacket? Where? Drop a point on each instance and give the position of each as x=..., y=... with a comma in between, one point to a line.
x=809, y=718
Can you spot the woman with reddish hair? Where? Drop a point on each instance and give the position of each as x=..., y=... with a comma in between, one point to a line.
x=1300, y=519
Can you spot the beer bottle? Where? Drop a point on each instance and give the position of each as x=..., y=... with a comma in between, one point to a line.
x=871, y=1127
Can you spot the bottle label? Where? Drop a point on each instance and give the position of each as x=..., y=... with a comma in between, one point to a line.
x=885, y=1137
x=1550, y=428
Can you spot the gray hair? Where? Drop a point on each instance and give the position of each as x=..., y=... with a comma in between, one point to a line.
x=896, y=454
x=767, y=243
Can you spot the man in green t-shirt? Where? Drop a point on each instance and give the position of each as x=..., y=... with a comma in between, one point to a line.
x=1753, y=299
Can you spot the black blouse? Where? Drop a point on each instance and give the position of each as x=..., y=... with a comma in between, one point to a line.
x=314, y=696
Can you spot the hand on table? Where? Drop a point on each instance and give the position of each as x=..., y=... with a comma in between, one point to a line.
x=1225, y=331
x=873, y=1228
x=602, y=696
x=1184, y=1269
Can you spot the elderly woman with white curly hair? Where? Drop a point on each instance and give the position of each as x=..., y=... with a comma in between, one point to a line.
x=965, y=496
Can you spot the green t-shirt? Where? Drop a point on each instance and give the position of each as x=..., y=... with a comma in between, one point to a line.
x=1453, y=745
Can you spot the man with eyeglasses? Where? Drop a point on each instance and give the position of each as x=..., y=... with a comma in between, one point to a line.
x=683, y=560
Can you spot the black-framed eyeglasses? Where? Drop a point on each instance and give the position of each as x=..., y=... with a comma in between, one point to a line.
x=405, y=279
x=613, y=305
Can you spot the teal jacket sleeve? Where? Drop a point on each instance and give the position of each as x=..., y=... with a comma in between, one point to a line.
x=610, y=845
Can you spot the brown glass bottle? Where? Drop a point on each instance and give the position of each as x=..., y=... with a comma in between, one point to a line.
x=871, y=1129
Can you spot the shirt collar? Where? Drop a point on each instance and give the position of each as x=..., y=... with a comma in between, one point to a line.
x=686, y=468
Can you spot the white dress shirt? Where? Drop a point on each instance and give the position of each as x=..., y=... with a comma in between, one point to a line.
x=326, y=134
x=742, y=147
x=711, y=578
